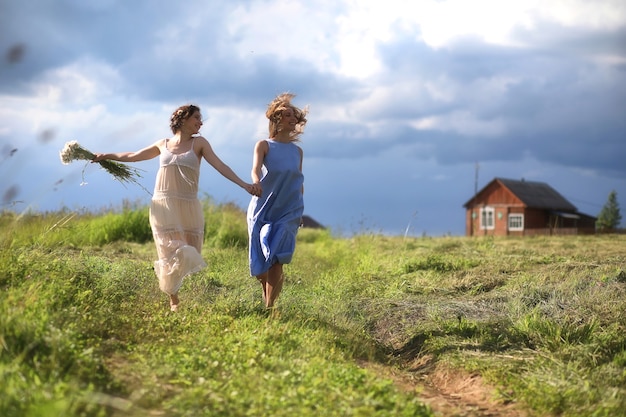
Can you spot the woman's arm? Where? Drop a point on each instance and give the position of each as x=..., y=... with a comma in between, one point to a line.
x=144, y=154
x=258, y=157
x=206, y=151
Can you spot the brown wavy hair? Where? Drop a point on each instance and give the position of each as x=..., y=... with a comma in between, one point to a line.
x=180, y=115
x=275, y=113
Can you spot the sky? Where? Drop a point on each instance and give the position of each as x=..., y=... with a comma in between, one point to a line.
x=413, y=104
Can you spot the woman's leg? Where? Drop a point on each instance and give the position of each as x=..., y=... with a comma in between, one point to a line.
x=263, y=281
x=274, y=284
x=191, y=239
x=164, y=252
x=174, y=302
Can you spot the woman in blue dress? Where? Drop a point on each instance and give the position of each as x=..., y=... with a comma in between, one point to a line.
x=275, y=216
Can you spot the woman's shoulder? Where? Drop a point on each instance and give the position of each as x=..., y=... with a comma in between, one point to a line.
x=201, y=146
x=200, y=142
x=199, y=139
x=262, y=143
x=160, y=144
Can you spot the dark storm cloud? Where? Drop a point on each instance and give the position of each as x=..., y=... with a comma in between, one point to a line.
x=54, y=33
x=561, y=101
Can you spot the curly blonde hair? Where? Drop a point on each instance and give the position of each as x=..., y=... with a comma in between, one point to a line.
x=274, y=113
x=180, y=115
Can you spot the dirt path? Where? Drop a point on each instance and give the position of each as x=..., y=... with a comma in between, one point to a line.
x=448, y=392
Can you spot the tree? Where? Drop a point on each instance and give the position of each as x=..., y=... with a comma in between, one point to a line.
x=609, y=218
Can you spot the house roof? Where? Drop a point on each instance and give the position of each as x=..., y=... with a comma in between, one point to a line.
x=308, y=221
x=535, y=195
x=538, y=195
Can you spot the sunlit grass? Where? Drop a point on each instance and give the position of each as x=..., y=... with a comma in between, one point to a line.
x=84, y=329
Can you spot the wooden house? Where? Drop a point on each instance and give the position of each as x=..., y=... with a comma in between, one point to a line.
x=506, y=207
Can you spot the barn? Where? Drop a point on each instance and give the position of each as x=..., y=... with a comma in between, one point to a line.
x=506, y=207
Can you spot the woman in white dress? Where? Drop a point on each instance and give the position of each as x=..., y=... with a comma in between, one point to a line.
x=176, y=216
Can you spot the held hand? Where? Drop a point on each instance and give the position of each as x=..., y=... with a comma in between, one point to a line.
x=98, y=157
x=254, y=189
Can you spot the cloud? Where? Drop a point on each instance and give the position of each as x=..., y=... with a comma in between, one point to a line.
x=405, y=96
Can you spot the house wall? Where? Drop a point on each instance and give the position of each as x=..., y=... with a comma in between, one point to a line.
x=583, y=225
x=536, y=222
x=536, y=219
x=587, y=225
x=503, y=202
x=471, y=224
x=501, y=221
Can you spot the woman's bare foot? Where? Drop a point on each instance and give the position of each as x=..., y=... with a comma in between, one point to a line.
x=174, y=302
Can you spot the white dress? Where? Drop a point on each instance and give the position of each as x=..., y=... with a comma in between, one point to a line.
x=176, y=219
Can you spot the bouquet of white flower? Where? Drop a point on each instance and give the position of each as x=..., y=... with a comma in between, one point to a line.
x=121, y=172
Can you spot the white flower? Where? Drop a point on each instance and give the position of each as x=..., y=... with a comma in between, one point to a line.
x=70, y=152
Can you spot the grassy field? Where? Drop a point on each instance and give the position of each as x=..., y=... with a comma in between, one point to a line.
x=366, y=326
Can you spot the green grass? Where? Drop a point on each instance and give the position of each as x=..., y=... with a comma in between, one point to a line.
x=85, y=331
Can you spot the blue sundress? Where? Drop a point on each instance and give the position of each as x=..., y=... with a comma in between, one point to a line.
x=275, y=216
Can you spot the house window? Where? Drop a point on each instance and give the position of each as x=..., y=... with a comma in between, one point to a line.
x=516, y=222
x=487, y=218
